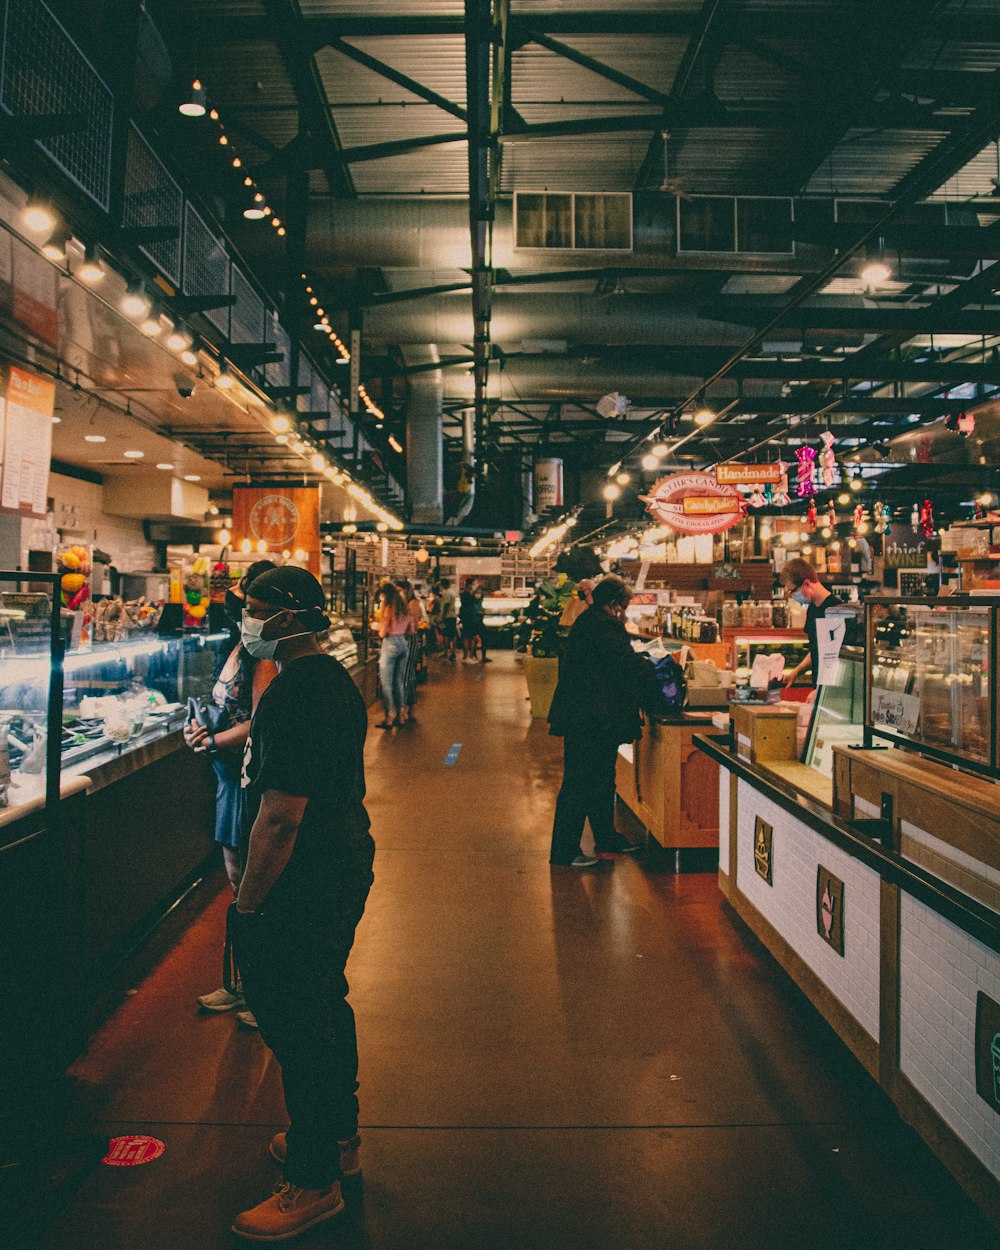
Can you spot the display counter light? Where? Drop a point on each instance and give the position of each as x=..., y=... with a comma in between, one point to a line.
x=91, y=268
x=38, y=217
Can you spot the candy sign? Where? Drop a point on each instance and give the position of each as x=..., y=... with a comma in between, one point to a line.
x=695, y=503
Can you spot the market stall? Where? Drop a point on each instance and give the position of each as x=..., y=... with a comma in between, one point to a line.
x=867, y=863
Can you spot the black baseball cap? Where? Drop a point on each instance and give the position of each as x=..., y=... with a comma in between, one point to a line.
x=294, y=589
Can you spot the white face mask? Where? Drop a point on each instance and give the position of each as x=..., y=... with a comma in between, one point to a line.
x=263, y=648
x=801, y=597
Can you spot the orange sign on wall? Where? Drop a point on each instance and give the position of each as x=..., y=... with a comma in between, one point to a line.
x=278, y=519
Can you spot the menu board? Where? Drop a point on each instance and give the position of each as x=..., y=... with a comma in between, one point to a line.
x=26, y=412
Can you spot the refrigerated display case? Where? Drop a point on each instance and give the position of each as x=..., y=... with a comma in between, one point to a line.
x=838, y=714
x=928, y=677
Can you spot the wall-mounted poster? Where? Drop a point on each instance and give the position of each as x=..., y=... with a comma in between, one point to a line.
x=275, y=520
x=26, y=409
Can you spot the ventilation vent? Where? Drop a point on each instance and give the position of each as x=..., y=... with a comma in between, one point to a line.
x=573, y=221
x=45, y=73
x=748, y=225
x=152, y=198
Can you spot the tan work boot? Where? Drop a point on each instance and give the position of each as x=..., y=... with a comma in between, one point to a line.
x=350, y=1153
x=288, y=1212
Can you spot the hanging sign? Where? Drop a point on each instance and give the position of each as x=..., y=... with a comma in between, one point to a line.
x=905, y=547
x=695, y=503
x=278, y=519
x=749, y=474
x=27, y=442
x=830, y=631
x=548, y=484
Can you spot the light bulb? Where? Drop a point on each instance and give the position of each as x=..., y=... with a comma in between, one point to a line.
x=135, y=303
x=38, y=217
x=986, y=499
x=650, y=463
x=151, y=326
x=611, y=492
x=317, y=461
x=223, y=538
x=659, y=450
x=844, y=499
x=280, y=424
x=704, y=416
x=623, y=479
x=178, y=341
x=857, y=484
x=165, y=465
x=92, y=269
x=224, y=381
x=133, y=455
x=245, y=546
x=189, y=356
x=875, y=273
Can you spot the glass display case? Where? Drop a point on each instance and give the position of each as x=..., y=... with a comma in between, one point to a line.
x=114, y=698
x=838, y=714
x=792, y=644
x=928, y=680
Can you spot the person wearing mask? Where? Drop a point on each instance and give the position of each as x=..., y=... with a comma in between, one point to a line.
x=603, y=685
x=394, y=624
x=309, y=855
x=449, y=619
x=237, y=690
x=802, y=584
x=577, y=603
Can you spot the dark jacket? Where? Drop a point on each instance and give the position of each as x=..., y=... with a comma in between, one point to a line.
x=603, y=683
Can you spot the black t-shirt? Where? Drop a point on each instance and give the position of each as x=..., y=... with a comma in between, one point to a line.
x=307, y=738
x=813, y=614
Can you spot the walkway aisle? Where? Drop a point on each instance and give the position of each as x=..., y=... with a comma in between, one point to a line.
x=549, y=1059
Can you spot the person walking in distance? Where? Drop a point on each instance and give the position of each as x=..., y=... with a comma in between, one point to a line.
x=309, y=856
x=449, y=619
x=394, y=624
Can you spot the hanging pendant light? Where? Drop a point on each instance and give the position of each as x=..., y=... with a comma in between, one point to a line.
x=194, y=105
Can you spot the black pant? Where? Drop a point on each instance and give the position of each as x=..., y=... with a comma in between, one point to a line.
x=587, y=792
x=292, y=965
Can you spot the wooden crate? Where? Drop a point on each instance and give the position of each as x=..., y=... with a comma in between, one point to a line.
x=764, y=733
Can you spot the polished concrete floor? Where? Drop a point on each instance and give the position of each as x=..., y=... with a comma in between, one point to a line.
x=549, y=1058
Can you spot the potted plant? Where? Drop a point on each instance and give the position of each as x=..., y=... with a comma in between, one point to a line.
x=541, y=663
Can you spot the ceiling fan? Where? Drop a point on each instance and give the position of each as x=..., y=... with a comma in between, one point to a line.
x=679, y=184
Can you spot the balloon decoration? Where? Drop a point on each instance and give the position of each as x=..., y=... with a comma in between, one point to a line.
x=927, y=526
x=859, y=518
x=828, y=461
x=831, y=515
x=806, y=484
x=914, y=517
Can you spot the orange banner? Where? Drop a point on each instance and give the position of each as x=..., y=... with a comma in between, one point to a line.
x=748, y=474
x=278, y=520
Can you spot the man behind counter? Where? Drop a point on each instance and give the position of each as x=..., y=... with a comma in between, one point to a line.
x=803, y=585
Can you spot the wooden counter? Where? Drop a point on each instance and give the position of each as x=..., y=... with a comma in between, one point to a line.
x=670, y=786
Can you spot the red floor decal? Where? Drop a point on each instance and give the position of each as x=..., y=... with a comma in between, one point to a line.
x=132, y=1152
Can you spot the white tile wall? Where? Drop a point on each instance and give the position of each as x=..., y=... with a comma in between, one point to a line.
x=79, y=505
x=724, y=776
x=790, y=903
x=942, y=970
x=963, y=871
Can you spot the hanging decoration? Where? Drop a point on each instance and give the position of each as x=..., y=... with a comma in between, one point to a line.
x=811, y=515
x=915, y=517
x=827, y=460
x=757, y=496
x=961, y=423
x=882, y=516
x=927, y=526
x=806, y=484
x=831, y=515
x=779, y=495
x=859, y=518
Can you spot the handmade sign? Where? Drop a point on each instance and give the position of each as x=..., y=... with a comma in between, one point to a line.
x=749, y=474
x=695, y=503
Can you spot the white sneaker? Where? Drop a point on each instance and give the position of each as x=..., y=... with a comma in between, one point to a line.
x=221, y=1000
x=247, y=1020
x=584, y=861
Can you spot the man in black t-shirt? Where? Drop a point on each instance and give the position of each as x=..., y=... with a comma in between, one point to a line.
x=803, y=585
x=308, y=859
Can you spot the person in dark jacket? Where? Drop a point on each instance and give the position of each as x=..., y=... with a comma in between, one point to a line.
x=596, y=706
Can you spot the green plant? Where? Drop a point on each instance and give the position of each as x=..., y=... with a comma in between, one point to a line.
x=546, y=636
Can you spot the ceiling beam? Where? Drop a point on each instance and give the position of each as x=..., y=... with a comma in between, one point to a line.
x=748, y=310
x=400, y=79
x=598, y=67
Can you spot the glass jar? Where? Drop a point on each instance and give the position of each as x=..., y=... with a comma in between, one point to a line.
x=730, y=614
x=763, y=615
x=748, y=614
x=779, y=614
